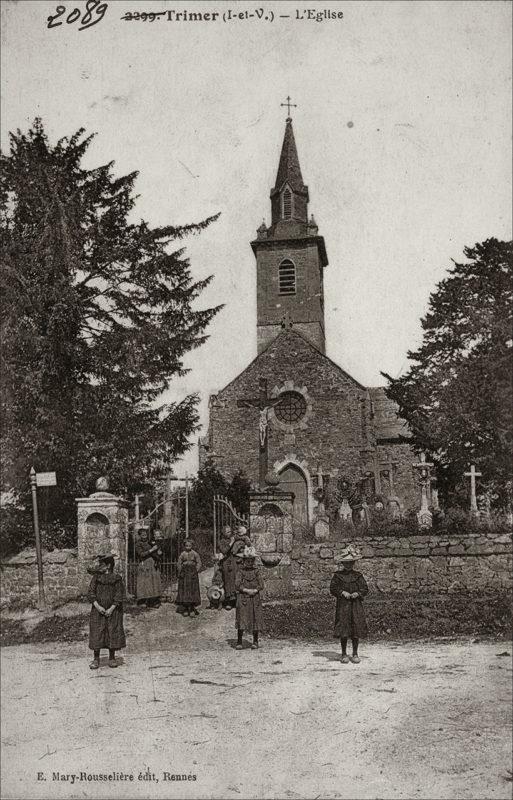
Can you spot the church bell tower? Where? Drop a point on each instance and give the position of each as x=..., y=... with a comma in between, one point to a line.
x=290, y=258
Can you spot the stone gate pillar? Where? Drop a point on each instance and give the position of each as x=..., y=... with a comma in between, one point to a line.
x=102, y=528
x=272, y=535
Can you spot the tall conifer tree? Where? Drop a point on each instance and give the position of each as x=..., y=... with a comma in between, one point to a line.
x=457, y=394
x=98, y=315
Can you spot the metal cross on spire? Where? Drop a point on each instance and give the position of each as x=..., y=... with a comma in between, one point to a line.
x=289, y=106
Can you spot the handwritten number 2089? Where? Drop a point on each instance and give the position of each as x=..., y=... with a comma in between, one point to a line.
x=87, y=20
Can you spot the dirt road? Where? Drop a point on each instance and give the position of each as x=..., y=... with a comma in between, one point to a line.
x=413, y=720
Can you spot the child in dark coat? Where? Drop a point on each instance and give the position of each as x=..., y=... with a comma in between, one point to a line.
x=106, y=593
x=249, y=585
x=349, y=586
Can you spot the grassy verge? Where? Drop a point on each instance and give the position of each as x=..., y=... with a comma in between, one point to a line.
x=399, y=618
x=52, y=628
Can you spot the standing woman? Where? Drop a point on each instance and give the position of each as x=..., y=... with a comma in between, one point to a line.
x=106, y=593
x=349, y=586
x=249, y=585
x=149, y=586
x=228, y=567
x=189, y=565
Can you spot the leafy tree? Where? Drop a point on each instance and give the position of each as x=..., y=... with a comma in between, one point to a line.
x=238, y=492
x=98, y=314
x=210, y=482
x=207, y=483
x=457, y=395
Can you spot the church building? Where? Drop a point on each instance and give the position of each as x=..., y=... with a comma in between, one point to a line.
x=294, y=412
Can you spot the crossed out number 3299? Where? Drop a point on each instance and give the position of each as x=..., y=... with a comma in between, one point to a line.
x=87, y=20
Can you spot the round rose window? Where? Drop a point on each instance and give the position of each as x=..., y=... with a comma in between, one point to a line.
x=291, y=408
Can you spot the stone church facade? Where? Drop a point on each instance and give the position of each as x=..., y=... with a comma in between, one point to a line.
x=323, y=427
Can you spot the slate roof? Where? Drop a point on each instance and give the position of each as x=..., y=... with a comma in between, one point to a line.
x=291, y=335
x=289, y=170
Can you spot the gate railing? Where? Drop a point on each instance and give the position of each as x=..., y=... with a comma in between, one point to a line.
x=166, y=564
x=225, y=514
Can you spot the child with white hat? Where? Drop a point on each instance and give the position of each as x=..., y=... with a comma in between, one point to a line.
x=349, y=587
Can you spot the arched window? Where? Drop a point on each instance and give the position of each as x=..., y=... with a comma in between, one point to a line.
x=287, y=204
x=287, y=277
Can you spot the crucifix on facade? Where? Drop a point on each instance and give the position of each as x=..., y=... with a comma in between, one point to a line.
x=473, y=499
x=263, y=402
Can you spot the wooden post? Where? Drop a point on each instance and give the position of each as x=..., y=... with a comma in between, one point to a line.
x=215, y=525
x=40, y=583
x=186, y=506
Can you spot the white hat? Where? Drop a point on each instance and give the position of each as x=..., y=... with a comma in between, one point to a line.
x=215, y=593
x=249, y=552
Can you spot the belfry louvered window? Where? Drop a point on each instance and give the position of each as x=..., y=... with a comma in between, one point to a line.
x=287, y=276
x=287, y=204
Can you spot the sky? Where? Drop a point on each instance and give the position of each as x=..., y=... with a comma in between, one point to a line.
x=403, y=128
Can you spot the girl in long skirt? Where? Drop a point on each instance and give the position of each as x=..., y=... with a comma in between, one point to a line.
x=148, y=588
x=249, y=584
x=228, y=567
x=189, y=565
x=349, y=586
x=106, y=593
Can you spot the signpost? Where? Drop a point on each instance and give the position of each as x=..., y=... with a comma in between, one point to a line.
x=45, y=478
x=39, y=479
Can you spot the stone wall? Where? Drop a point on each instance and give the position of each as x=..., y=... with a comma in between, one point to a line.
x=335, y=427
x=305, y=306
x=19, y=578
x=337, y=434
x=421, y=564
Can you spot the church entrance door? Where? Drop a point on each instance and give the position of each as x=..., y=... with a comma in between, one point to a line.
x=292, y=479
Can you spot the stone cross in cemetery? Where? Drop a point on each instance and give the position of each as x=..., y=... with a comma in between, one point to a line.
x=321, y=524
x=435, y=503
x=473, y=499
x=374, y=472
x=263, y=402
x=424, y=516
x=388, y=471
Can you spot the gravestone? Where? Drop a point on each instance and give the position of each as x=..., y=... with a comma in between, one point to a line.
x=102, y=528
x=345, y=512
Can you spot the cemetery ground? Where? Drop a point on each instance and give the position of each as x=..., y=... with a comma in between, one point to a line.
x=422, y=716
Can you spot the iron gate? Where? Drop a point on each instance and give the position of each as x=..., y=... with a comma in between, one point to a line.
x=169, y=539
x=226, y=515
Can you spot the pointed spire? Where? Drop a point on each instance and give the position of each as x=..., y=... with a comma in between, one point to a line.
x=289, y=170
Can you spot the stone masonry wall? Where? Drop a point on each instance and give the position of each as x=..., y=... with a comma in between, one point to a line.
x=19, y=578
x=305, y=306
x=334, y=432
x=337, y=432
x=422, y=564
